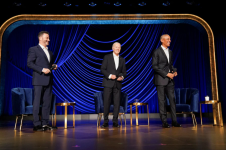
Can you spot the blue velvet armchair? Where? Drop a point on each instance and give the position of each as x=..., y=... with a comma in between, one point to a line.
x=22, y=103
x=99, y=106
x=187, y=102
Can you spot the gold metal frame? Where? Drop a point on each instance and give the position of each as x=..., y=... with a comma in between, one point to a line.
x=219, y=113
x=134, y=17
x=137, y=104
x=65, y=113
x=100, y=115
x=192, y=116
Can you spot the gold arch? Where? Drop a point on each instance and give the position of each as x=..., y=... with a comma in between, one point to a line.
x=133, y=17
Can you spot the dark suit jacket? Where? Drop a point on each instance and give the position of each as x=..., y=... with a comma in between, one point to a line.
x=161, y=66
x=108, y=67
x=37, y=60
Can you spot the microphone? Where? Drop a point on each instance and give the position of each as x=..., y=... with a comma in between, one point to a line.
x=53, y=67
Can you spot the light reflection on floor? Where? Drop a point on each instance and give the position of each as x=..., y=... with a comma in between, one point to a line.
x=86, y=135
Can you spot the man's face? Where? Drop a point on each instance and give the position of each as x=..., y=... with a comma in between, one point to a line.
x=44, y=39
x=166, y=41
x=116, y=48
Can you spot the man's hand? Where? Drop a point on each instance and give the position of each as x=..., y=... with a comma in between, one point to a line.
x=55, y=67
x=46, y=70
x=175, y=74
x=113, y=77
x=119, y=79
x=170, y=75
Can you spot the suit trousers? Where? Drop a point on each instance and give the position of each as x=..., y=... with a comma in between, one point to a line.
x=108, y=94
x=163, y=91
x=42, y=96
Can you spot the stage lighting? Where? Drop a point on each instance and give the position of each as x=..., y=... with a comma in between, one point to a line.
x=92, y=4
x=107, y=3
x=42, y=4
x=142, y=4
x=193, y=3
x=67, y=4
x=190, y=2
x=166, y=3
x=117, y=4
x=17, y=4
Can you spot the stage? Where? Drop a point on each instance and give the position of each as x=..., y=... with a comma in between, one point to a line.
x=86, y=135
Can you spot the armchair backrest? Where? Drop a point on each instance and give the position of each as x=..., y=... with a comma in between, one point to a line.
x=185, y=95
x=23, y=97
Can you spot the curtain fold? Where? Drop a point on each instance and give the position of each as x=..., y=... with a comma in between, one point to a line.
x=79, y=50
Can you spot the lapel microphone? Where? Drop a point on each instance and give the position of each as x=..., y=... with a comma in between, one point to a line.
x=53, y=67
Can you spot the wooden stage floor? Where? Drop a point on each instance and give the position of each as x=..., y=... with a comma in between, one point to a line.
x=86, y=136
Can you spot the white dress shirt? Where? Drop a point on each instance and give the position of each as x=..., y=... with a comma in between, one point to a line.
x=116, y=60
x=45, y=49
x=166, y=50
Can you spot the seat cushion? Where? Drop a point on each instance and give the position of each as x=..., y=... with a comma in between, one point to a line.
x=180, y=108
x=29, y=110
x=121, y=110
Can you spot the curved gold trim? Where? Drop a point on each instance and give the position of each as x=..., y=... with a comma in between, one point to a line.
x=130, y=17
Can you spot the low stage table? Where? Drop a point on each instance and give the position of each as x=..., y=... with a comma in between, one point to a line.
x=219, y=112
x=137, y=104
x=65, y=113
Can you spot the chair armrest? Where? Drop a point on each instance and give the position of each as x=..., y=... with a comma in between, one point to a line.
x=18, y=103
x=97, y=99
x=194, y=105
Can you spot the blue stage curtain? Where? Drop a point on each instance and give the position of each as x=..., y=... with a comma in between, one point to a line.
x=79, y=51
x=221, y=69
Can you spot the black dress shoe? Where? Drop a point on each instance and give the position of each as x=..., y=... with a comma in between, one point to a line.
x=116, y=125
x=105, y=125
x=47, y=127
x=165, y=125
x=38, y=128
x=176, y=124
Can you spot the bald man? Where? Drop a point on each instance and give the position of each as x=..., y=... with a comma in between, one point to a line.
x=164, y=72
x=114, y=70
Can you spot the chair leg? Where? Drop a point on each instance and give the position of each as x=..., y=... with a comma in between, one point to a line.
x=16, y=122
x=21, y=122
x=97, y=120
x=100, y=118
x=124, y=119
x=52, y=119
x=195, y=119
x=120, y=116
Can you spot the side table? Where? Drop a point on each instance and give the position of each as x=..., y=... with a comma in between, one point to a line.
x=219, y=113
x=65, y=113
x=137, y=104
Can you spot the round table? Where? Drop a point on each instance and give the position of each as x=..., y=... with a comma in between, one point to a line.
x=137, y=104
x=65, y=112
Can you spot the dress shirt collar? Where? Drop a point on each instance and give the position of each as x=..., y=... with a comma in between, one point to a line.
x=115, y=55
x=165, y=49
x=46, y=48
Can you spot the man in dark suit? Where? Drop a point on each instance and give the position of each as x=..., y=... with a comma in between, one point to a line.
x=114, y=70
x=40, y=60
x=164, y=72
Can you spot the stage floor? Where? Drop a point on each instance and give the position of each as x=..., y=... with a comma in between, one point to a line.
x=87, y=136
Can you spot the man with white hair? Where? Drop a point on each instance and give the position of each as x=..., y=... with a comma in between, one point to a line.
x=164, y=72
x=114, y=70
